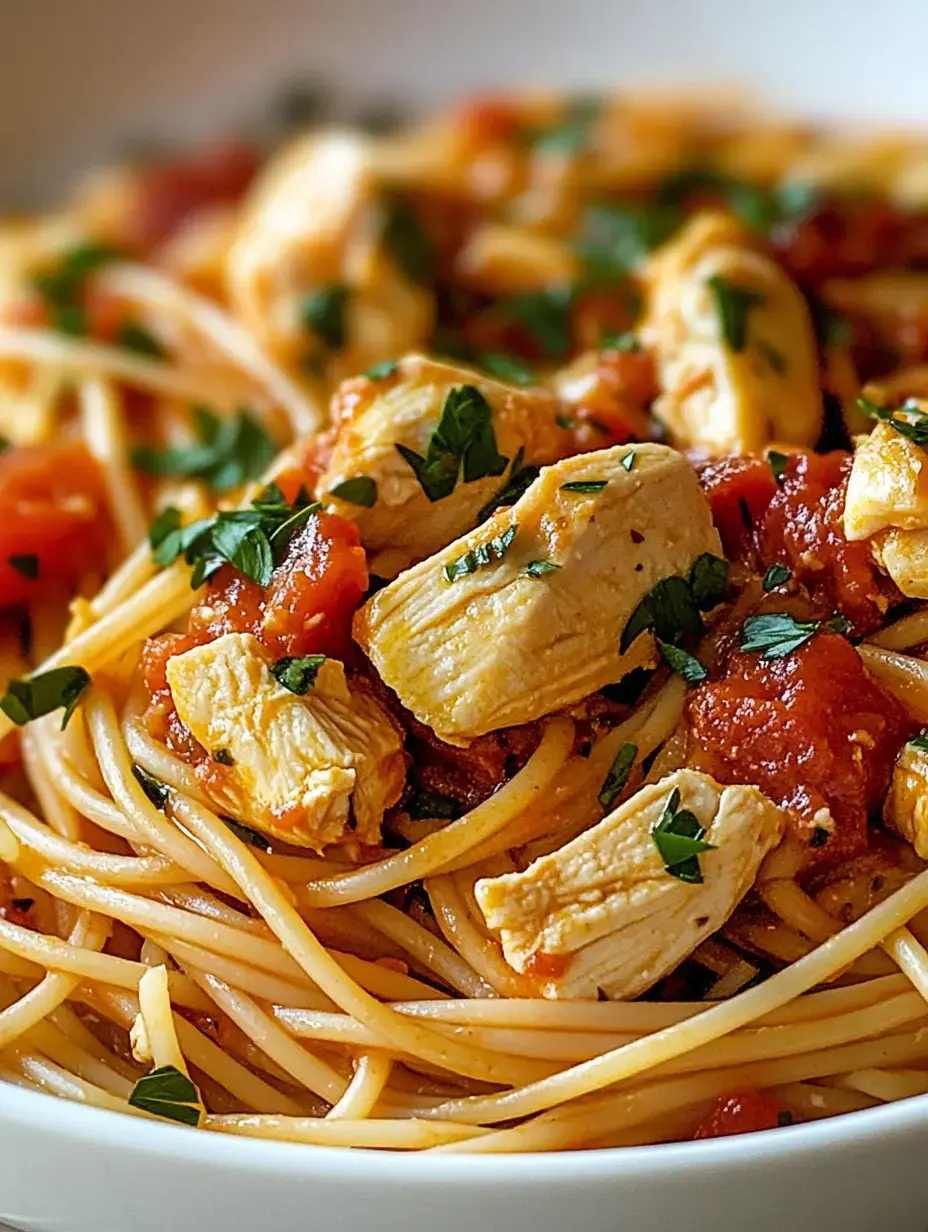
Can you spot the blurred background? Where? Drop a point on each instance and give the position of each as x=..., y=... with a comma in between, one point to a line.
x=81, y=79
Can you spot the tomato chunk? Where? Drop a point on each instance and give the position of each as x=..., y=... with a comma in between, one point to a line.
x=739, y=490
x=744, y=1112
x=812, y=730
x=52, y=518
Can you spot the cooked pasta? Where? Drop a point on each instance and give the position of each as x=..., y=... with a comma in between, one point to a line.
x=462, y=632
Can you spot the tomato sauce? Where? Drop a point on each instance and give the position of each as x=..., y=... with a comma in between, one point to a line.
x=53, y=522
x=849, y=238
x=744, y=1112
x=812, y=730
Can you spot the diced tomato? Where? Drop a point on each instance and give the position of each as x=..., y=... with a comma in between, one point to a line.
x=314, y=593
x=804, y=530
x=745, y=1112
x=812, y=730
x=849, y=238
x=168, y=192
x=739, y=490
x=51, y=508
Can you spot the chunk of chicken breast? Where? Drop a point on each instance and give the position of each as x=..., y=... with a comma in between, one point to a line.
x=541, y=593
x=905, y=808
x=312, y=225
x=734, y=343
x=604, y=912
x=887, y=502
x=310, y=769
x=375, y=416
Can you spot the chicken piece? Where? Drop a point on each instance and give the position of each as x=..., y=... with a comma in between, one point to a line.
x=734, y=342
x=309, y=769
x=313, y=227
x=887, y=502
x=374, y=417
x=604, y=912
x=505, y=260
x=905, y=809
x=510, y=638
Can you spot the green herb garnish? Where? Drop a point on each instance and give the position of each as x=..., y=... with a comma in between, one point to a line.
x=584, y=486
x=298, y=675
x=31, y=697
x=776, y=634
x=245, y=834
x=683, y=664
x=920, y=741
x=572, y=134
x=668, y=609
x=820, y=837
x=26, y=566
x=545, y=316
x=618, y=774
x=776, y=359
x=753, y=205
x=406, y=240
x=916, y=431
x=777, y=462
x=157, y=792
x=506, y=367
x=616, y=239
x=380, y=372
x=362, y=490
x=135, y=337
x=733, y=305
x=62, y=286
x=538, y=568
x=168, y=1093
x=425, y=805
x=229, y=452
x=627, y=461
x=625, y=342
x=322, y=313
x=678, y=837
x=464, y=438
x=520, y=480
x=776, y=575
x=708, y=580
x=481, y=556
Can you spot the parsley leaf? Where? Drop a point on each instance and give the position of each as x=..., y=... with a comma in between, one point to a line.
x=776, y=634
x=733, y=305
x=27, y=566
x=820, y=836
x=920, y=741
x=322, y=312
x=135, y=337
x=669, y=609
x=916, y=431
x=618, y=774
x=708, y=580
x=538, y=568
x=776, y=575
x=167, y=1093
x=585, y=486
x=298, y=675
x=166, y=523
x=482, y=555
x=520, y=480
x=406, y=241
x=683, y=664
x=157, y=792
x=31, y=697
x=616, y=239
x=245, y=834
x=362, y=490
x=228, y=454
x=464, y=435
x=545, y=315
x=777, y=462
x=380, y=372
x=678, y=836
x=753, y=205
x=62, y=285
x=506, y=367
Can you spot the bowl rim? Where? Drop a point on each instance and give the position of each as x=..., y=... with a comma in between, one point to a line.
x=99, y=1127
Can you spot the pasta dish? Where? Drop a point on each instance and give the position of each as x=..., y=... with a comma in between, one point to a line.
x=463, y=626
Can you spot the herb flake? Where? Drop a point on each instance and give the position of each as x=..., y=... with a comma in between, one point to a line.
x=776, y=575
x=538, y=568
x=776, y=634
x=684, y=664
x=481, y=556
x=167, y=1093
x=733, y=304
x=618, y=774
x=679, y=838
x=26, y=566
x=462, y=440
x=31, y=697
x=298, y=675
x=229, y=452
x=361, y=490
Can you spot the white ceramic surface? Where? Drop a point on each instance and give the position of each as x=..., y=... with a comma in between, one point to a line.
x=79, y=76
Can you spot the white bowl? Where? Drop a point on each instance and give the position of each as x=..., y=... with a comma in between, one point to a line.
x=79, y=76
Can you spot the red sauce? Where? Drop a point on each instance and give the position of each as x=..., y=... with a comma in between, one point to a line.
x=745, y=1112
x=51, y=507
x=548, y=966
x=850, y=238
x=739, y=490
x=812, y=730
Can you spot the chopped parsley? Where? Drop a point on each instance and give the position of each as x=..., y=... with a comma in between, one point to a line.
x=520, y=480
x=585, y=486
x=753, y=205
x=708, y=580
x=776, y=575
x=245, y=834
x=362, y=490
x=31, y=697
x=625, y=342
x=482, y=555
x=223, y=757
x=538, y=568
x=679, y=839
x=627, y=461
x=618, y=774
x=464, y=437
x=668, y=609
x=733, y=304
x=616, y=239
x=298, y=675
x=506, y=367
x=322, y=313
x=776, y=634
x=776, y=359
x=380, y=372
x=135, y=337
x=62, y=286
x=229, y=452
x=572, y=134
x=777, y=462
x=406, y=240
x=839, y=624
x=920, y=741
x=26, y=566
x=683, y=664
x=914, y=429
x=157, y=792
x=168, y=1093
x=545, y=316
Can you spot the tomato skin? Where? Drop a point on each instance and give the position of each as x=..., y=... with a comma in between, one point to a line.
x=51, y=507
x=745, y=1112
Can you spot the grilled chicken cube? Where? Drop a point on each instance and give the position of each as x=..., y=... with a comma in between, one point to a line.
x=375, y=417
x=733, y=338
x=309, y=769
x=905, y=808
x=887, y=502
x=309, y=272
x=524, y=615
x=605, y=912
